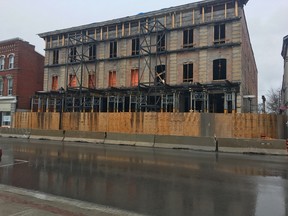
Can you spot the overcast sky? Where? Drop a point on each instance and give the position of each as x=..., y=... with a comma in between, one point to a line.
x=267, y=23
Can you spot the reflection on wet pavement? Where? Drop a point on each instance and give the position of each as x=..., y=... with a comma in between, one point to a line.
x=150, y=181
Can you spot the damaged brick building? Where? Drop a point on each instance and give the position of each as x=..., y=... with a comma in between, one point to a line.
x=190, y=58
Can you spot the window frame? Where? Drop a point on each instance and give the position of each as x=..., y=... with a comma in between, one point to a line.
x=55, y=59
x=73, y=54
x=92, y=51
x=113, y=49
x=54, y=84
x=91, y=81
x=188, y=38
x=11, y=58
x=161, y=42
x=219, y=33
x=9, y=86
x=112, y=80
x=221, y=72
x=135, y=46
x=72, y=80
x=1, y=86
x=134, y=77
x=2, y=62
x=188, y=72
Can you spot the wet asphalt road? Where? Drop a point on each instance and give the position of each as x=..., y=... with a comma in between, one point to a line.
x=149, y=181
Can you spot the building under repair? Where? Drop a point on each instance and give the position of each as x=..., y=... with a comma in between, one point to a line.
x=190, y=58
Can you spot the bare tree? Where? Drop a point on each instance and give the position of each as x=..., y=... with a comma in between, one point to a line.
x=273, y=102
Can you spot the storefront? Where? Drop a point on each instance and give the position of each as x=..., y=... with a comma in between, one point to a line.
x=7, y=108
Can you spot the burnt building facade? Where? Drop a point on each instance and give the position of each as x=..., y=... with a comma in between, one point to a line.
x=21, y=75
x=190, y=58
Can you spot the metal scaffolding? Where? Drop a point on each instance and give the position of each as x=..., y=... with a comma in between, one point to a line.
x=152, y=65
x=80, y=53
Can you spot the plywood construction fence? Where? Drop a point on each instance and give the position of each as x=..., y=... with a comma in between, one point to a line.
x=180, y=124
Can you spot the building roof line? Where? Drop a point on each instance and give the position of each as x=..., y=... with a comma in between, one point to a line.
x=285, y=46
x=12, y=39
x=139, y=16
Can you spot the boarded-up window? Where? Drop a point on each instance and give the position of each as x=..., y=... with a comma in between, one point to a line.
x=134, y=77
x=188, y=38
x=188, y=72
x=219, y=69
x=72, y=80
x=219, y=34
x=112, y=79
x=91, y=82
x=54, y=83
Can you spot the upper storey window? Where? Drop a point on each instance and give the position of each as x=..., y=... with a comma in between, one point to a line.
x=1, y=86
x=113, y=49
x=11, y=61
x=92, y=52
x=55, y=56
x=135, y=46
x=2, y=62
x=10, y=85
x=219, y=69
x=73, y=54
x=188, y=38
x=161, y=42
x=188, y=72
x=54, y=83
x=112, y=79
x=219, y=34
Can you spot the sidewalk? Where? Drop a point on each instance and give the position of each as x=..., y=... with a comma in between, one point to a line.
x=17, y=201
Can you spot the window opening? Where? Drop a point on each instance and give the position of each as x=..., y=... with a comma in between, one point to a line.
x=10, y=86
x=55, y=56
x=134, y=77
x=2, y=62
x=6, y=118
x=91, y=82
x=188, y=38
x=160, y=74
x=112, y=79
x=161, y=42
x=11, y=61
x=1, y=87
x=135, y=46
x=113, y=49
x=73, y=54
x=92, y=52
x=188, y=72
x=54, y=83
x=219, y=34
x=219, y=69
x=72, y=80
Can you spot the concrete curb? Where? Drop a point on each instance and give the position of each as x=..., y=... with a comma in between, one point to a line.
x=231, y=145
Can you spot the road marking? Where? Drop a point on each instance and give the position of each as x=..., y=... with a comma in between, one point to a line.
x=16, y=162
